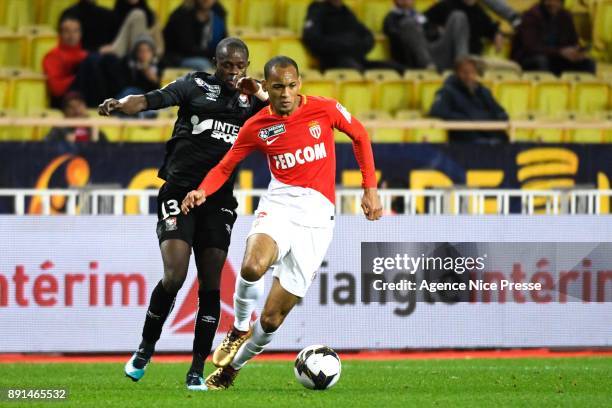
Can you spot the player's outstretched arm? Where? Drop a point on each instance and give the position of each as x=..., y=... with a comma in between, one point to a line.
x=370, y=204
x=129, y=105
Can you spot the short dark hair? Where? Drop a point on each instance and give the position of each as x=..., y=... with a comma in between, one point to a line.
x=459, y=62
x=281, y=61
x=67, y=17
x=231, y=44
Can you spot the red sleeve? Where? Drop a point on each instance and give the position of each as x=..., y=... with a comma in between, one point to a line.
x=245, y=143
x=57, y=80
x=342, y=120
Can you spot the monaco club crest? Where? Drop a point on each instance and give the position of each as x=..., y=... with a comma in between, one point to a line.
x=315, y=129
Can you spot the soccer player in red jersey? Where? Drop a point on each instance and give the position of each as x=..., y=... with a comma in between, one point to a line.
x=295, y=218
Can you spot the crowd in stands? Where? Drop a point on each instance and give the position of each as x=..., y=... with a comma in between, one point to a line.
x=104, y=53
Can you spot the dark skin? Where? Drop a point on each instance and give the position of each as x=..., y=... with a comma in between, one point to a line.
x=231, y=66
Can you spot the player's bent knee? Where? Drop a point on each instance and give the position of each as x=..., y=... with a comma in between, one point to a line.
x=270, y=322
x=252, y=270
x=172, y=284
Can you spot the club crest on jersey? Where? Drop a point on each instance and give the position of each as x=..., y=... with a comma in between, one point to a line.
x=315, y=129
x=212, y=91
x=243, y=101
x=271, y=131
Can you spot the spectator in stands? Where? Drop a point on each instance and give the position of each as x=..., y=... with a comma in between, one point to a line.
x=98, y=23
x=463, y=98
x=338, y=39
x=73, y=107
x=416, y=43
x=61, y=64
x=547, y=40
x=133, y=19
x=139, y=72
x=464, y=12
x=192, y=33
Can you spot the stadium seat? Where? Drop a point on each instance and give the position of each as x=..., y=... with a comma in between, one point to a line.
x=40, y=43
x=420, y=74
x=294, y=14
x=16, y=13
x=4, y=91
x=356, y=96
x=294, y=47
x=514, y=96
x=259, y=13
x=171, y=74
x=381, y=75
x=310, y=74
x=343, y=74
x=382, y=134
x=602, y=34
x=356, y=7
x=425, y=92
x=592, y=135
x=28, y=93
x=408, y=114
x=40, y=132
x=500, y=75
x=551, y=97
x=428, y=135
x=536, y=76
x=321, y=87
x=548, y=135
x=393, y=95
x=50, y=11
x=143, y=134
x=14, y=133
x=260, y=51
x=381, y=49
x=13, y=49
x=374, y=12
x=590, y=96
x=575, y=76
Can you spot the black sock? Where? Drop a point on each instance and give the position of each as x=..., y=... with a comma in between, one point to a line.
x=207, y=320
x=160, y=306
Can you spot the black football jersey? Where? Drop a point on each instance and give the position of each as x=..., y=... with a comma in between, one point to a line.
x=210, y=115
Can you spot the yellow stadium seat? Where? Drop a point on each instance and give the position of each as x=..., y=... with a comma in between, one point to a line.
x=521, y=5
x=260, y=51
x=50, y=11
x=547, y=135
x=602, y=34
x=143, y=134
x=294, y=14
x=356, y=96
x=382, y=134
x=14, y=133
x=40, y=132
x=513, y=96
x=167, y=9
x=590, y=96
x=500, y=75
x=4, y=92
x=294, y=48
x=13, y=49
x=428, y=135
x=322, y=87
x=381, y=75
x=408, y=114
x=381, y=49
x=171, y=74
x=16, y=13
x=575, y=76
x=259, y=13
x=343, y=74
x=355, y=6
x=28, y=94
x=393, y=95
x=551, y=97
x=425, y=93
x=232, y=7
x=374, y=12
x=537, y=76
x=39, y=46
x=310, y=74
x=420, y=74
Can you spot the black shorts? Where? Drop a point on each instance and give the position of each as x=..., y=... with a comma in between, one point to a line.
x=207, y=226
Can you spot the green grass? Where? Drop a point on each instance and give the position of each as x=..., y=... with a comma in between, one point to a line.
x=579, y=382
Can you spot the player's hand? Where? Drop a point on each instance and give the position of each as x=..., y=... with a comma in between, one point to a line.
x=108, y=106
x=192, y=199
x=248, y=86
x=370, y=204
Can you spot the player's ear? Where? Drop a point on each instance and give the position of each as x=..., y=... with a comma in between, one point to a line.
x=299, y=83
x=264, y=85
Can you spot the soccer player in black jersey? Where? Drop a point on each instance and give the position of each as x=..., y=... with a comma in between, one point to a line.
x=212, y=108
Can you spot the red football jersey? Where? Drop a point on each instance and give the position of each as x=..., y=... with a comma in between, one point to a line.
x=300, y=147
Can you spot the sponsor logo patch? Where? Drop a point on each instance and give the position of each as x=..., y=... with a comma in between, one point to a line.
x=272, y=131
x=226, y=132
x=212, y=91
x=171, y=224
x=243, y=101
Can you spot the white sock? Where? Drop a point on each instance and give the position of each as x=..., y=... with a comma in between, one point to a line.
x=245, y=300
x=253, y=346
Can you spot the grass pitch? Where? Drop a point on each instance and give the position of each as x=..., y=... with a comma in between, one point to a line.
x=583, y=382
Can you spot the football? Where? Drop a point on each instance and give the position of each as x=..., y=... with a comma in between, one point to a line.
x=317, y=367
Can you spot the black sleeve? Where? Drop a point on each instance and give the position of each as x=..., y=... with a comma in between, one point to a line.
x=173, y=94
x=56, y=134
x=496, y=109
